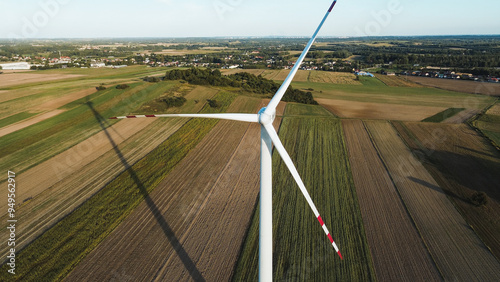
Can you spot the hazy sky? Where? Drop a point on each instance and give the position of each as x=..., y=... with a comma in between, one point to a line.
x=206, y=18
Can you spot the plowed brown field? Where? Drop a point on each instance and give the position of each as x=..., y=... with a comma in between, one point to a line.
x=457, y=251
x=398, y=252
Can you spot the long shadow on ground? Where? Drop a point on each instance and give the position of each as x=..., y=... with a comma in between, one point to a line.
x=169, y=233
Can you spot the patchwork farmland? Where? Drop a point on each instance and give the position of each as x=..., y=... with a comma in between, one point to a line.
x=176, y=199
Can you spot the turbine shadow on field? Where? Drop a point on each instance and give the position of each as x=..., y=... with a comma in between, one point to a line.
x=436, y=188
x=167, y=230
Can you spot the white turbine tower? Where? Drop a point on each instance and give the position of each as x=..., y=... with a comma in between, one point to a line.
x=268, y=137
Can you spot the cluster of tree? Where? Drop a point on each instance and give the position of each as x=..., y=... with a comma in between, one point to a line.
x=214, y=103
x=100, y=88
x=246, y=81
x=152, y=79
x=122, y=86
x=174, y=101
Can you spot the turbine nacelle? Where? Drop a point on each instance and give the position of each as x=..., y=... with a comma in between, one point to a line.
x=266, y=116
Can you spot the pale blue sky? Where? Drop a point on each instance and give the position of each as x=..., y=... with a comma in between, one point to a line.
x=207, y=18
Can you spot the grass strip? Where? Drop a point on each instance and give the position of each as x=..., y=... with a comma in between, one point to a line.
x=15, y=118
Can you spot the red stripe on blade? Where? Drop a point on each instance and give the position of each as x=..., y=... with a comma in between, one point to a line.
x=320, y=220
x=131, y=117
x=340, y=255
x=150, y=116
x=330, y=237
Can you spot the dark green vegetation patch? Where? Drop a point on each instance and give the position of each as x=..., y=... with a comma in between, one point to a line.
x=439, y=117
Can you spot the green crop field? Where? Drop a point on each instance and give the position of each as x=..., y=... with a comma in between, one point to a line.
x=302, y=252
x=54, y=254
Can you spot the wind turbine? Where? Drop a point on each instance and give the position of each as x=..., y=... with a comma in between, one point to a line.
x=268, y=137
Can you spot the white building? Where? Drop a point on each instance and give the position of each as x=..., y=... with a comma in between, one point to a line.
x=97, y=65
x=16, y=66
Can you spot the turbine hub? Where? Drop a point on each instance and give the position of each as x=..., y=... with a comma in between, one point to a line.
x=265, y=118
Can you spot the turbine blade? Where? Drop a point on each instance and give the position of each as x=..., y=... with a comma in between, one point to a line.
x=289, y=163
x=237, y=117
x=281, y=91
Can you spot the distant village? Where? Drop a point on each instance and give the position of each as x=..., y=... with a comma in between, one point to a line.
x=246, y=60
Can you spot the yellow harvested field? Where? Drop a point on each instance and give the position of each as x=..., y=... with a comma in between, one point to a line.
x=457, y=251
x=398, y=252
x=13, y=79
x=396, y=81
x=256, y=72
x=364, y=110
x=495, y=110
x=63, y=100
x=333, y=77
x=301, y=75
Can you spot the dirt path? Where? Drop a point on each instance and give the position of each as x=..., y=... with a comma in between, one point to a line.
x=23, y=124
x=397, y=250
x=457, y=251
x=193, y=224
x=364, y=110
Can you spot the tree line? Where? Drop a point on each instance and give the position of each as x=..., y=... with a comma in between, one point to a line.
x=248, y=82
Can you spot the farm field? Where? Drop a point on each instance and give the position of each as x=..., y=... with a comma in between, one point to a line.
x=301, y=250
x=396, y=81
x=106, y=209
x=374, y=91
x=22, y=78
x=463, y=163
x=175, y=199
x=489, y=124
x=186, y=207
x=57, y=186
x=492, y=89
x=396, y=247
x=362, y=110
x=302, y=76
x=456, y=249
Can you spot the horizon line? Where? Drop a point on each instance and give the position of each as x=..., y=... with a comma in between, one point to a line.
x=242, y=37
